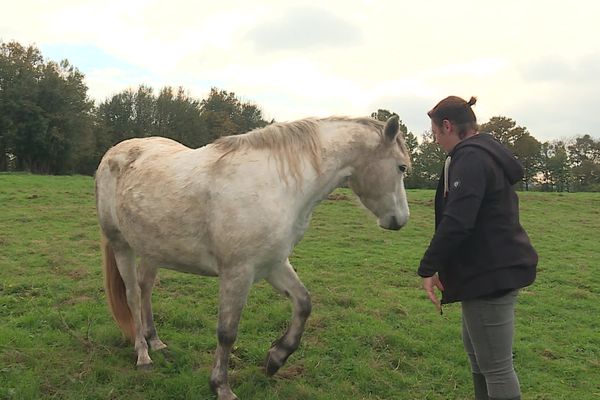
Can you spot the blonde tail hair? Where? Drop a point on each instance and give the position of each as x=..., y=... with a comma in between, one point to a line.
x=115, y=291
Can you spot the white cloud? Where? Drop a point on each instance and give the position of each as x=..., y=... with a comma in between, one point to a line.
x=534, y=61
x=303, y=28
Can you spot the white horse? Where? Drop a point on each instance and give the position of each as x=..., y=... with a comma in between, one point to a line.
x=235, y=209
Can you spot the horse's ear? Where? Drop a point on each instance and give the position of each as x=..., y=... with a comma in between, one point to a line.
x=392, y=126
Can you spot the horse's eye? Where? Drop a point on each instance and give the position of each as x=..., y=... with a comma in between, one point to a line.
x=402, y=168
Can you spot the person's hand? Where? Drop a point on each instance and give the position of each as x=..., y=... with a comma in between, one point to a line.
x=429, y=284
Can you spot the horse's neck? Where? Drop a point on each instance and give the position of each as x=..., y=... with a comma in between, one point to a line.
x=343, y=144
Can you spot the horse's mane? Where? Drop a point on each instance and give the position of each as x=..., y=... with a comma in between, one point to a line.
x=289, y=142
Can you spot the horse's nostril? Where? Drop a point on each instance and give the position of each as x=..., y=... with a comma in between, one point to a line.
x=394, y=225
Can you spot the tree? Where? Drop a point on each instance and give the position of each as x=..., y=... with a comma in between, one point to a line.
x=528, y=150
x=383, y=115
x=412, y=143
x=224, y=114
x=554, y=167
x=174, y=114
x=21, y=119
x=518, y=140
x=428, y=161
x=178, y=117
x=116, y=117
x=584, y=157
x=584, y=148
x=144, y=103
x=46, y=121
x=505, y=130
x=63, y=98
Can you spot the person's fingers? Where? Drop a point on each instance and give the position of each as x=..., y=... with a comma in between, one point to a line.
x=429, y=284
x=431, y=295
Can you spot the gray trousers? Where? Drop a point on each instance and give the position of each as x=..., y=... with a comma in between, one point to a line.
x=488, y=330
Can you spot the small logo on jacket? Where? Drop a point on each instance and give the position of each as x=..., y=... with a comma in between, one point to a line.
x=456, y=184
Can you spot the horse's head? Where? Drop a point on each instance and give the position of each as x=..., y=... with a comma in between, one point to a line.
x=378, y=178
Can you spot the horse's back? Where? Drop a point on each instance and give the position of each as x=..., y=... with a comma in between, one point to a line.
x=127, y=152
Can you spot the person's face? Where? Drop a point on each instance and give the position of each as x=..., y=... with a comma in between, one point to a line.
x=444, y=135
x=439, y=134
x=436, y=132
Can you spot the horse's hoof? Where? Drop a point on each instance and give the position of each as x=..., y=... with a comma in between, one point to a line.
x=144, y=367
x=271, y=365
x=228, y=397
x=226, y=394
x=156, y=345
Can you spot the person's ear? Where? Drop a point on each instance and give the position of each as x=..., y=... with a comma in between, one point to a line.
x=447, y=126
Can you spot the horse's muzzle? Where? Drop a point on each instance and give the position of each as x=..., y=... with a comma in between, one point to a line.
x=391, y=223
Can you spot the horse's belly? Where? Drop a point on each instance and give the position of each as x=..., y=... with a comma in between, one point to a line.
x=182, y=257
x=203, y=270
x=178, y=245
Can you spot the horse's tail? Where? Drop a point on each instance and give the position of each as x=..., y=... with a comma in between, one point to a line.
x=115, y=291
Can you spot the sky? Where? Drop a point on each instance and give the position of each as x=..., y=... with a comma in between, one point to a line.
x=535, y=61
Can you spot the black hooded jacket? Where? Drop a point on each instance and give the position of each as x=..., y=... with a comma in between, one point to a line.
x=479, y=247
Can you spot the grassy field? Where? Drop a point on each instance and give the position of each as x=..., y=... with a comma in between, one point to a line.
x=372, y=334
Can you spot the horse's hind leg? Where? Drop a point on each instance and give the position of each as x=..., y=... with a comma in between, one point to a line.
x=284, y=279
x=125, y=259
x=147, y=275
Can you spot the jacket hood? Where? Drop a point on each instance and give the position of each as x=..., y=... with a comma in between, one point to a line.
x=507, y=161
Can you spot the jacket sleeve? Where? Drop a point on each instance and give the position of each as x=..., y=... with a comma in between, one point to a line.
x=466, y=189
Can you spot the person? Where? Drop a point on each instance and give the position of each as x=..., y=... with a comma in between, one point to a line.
x=479, y=255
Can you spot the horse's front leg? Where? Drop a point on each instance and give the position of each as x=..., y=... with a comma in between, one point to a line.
x=284, y=279
x=233, y=292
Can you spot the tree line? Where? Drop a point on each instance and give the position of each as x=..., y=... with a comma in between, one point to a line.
x=49, y=125
x=551, y=166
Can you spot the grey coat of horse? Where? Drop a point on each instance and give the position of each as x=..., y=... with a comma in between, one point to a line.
x=235, y=209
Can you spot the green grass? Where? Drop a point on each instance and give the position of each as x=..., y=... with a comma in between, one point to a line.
x=372, y=334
